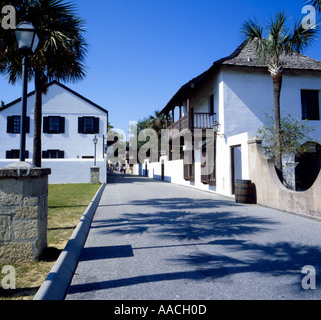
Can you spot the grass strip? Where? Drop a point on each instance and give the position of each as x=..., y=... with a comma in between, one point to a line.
x=66, y=204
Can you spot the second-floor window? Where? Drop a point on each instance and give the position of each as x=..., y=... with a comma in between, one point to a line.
x=310, y=105
x=13, y=124
x=54, y=125
x=88, y=125
x=211, y=104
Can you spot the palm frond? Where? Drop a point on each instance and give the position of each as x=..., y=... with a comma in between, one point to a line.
x=251, y=30
x=62, y=49
x=302, y=38
x=280, y=40
x=315, y=3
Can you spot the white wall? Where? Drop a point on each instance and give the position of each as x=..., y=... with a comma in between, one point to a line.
x=59, y=102
x=248, y=94
x=174, y=173
x=64, y=171
x=240, y=100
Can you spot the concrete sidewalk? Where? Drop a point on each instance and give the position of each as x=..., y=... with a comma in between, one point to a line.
x=157, y=241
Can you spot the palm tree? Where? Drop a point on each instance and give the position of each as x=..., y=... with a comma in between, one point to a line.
x=316, y=4
x=273, y=49
x=60, y=54
x=157, y=122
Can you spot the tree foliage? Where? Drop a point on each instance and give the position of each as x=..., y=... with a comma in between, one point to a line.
x=60, y=54
x=294, y=135
x=156, y=122
x=274, y=44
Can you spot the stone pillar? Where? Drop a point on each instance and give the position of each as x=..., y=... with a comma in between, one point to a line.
x=23, y=212
x=95, y=175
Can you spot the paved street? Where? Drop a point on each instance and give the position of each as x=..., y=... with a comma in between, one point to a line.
x=158, y=241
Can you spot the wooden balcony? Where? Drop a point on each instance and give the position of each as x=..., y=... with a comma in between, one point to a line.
x=203, y=120
x=208, y=179
x=194, y=121
x=182, y=124
x=189, y=174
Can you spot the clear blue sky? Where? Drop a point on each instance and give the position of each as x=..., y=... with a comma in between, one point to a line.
x=142, y=51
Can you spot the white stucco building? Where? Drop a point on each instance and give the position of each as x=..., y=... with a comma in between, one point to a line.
x=235, y=92
x=70, y=123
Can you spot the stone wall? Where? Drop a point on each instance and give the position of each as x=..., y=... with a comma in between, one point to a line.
x=23, y=212
x=270, y=191
x=94, y=175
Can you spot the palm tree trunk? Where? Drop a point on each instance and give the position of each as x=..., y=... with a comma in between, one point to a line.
x=37, y=121
x=277, y=85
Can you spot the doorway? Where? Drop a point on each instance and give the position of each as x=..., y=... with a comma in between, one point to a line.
x=236, y=165
x=309, y=166
x=163, y=170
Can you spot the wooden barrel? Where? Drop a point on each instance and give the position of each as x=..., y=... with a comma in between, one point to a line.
x=243, y=191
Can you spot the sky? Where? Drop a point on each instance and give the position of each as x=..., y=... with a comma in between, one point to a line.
x=142, y=51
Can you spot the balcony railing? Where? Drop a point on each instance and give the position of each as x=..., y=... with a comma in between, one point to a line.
x=195, y=121
x=203, y=120
x=181, y=124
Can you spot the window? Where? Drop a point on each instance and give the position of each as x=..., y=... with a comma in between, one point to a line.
x=15, y=154
x=54, y=125
x=211, y=104
x=310, y=105
x=53, y=154
x=13, y=125
x=88, y=125
x=208, y=165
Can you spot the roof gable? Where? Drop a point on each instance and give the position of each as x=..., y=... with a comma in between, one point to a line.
x=243, y=56
x=63, y=87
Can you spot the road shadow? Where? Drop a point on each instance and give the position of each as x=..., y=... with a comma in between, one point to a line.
x=277, y=260
x=110, y=252
x=185, y=219
x=222, y=232
x=120, y=178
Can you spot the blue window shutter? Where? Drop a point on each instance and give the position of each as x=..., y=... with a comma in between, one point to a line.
x=10, y=126
x=80, y=125
x=96, y=125
x=61, y=154
x=61, y=125
x=46, y=125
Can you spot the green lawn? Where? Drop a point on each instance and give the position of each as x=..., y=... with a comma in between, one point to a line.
x=66, y=204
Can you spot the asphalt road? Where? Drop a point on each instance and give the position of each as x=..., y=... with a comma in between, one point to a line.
x=152, y=240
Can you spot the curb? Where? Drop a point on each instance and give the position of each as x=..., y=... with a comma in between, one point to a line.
x=60, y=276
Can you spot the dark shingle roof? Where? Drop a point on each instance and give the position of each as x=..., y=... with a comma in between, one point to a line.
x=55, y=82
x=240, y=57
x=243, y=56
